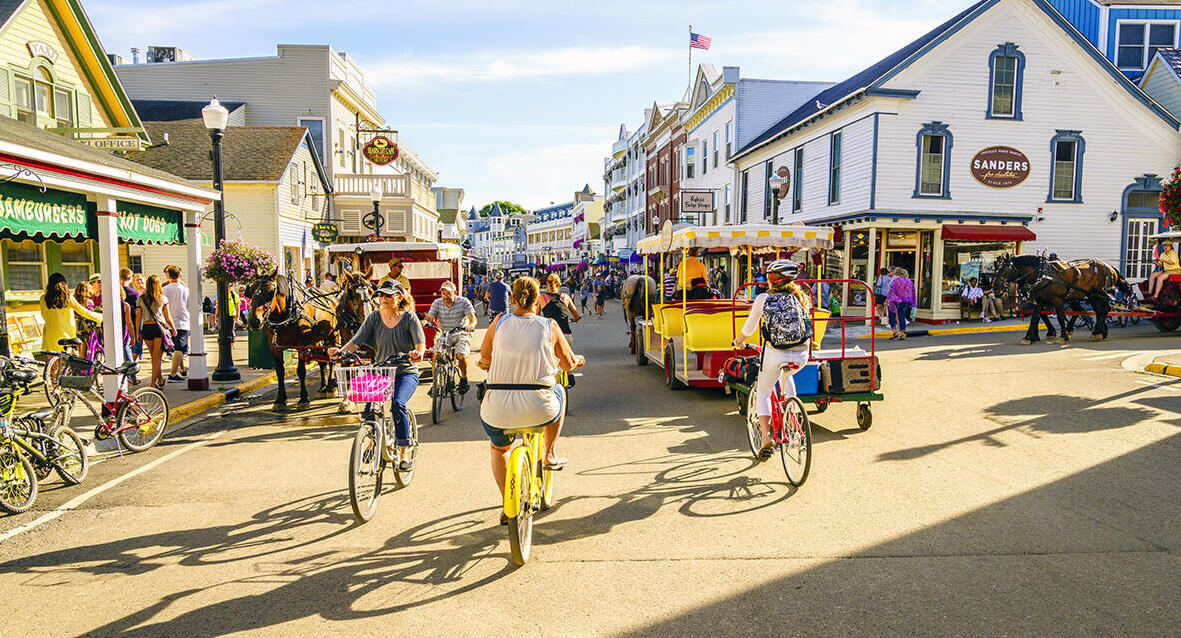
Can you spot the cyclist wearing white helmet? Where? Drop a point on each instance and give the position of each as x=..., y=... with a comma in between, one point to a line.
x=784, y=313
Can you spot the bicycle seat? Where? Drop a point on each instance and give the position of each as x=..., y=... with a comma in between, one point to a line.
x=69, y=341
x=42, y=414
x=22, y=375
x=128, y=367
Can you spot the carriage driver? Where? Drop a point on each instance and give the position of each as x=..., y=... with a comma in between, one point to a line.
x=451, y=311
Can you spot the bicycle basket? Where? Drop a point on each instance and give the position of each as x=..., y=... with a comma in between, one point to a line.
x=75, y=382
x=368, y=384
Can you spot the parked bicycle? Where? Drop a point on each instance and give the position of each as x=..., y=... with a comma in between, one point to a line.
x=137, y=418
x=90, y=350
x=444, y=375
x=790, y=429
x=34, y=445
x=372, y=387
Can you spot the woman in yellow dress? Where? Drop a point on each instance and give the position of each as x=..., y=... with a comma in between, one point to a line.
x=59, y=309
x=1167, y=259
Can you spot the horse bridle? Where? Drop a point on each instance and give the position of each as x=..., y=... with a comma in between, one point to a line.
x=343, y=315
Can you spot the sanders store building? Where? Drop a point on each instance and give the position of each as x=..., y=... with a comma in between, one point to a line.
x=1002, y=130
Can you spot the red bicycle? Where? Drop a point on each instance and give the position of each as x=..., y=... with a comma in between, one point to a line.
x=790, y=429
x=137, y=418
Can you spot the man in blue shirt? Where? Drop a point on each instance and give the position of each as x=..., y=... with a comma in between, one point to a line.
x=498, y=295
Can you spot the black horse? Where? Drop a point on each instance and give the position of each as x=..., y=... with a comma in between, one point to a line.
x=275, y=309
x=1057, y=284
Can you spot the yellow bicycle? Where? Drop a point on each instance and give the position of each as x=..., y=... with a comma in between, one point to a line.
x=528, y=487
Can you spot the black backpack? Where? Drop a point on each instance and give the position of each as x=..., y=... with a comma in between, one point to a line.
x=785, y=322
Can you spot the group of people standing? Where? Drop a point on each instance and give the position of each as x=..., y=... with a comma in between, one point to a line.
x=155, y=318
x=894, y=299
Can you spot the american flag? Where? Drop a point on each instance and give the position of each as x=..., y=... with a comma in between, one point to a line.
x=698, y=41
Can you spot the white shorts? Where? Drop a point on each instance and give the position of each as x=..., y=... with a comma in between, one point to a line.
x=461, y=342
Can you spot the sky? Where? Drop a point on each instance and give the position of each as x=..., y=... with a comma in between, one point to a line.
x=521, y=101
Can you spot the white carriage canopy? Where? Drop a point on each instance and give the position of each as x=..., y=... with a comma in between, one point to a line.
x=754, y=236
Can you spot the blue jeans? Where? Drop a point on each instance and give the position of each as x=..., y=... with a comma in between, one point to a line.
x=404, y=388
x=900, y=316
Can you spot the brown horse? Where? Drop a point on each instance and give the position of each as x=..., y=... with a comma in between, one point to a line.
x=1052, y=283
x=289, y=325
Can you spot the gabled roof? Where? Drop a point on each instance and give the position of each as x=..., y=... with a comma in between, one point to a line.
x=472, y=214
x=29, y=136
x=586, y=190
x=496, y=212
x=8, y=9
x=870, y=79
x=172, y=110
x=1170, y=58
x=249, y=153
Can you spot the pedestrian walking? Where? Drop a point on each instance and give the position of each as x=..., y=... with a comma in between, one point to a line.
x=880, y=289
x=59, y=309
x=900, y=300
x=157, y=327
x=178, y=300
x=498, y=295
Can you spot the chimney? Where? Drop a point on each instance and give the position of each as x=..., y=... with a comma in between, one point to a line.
x=134, y=55
x=115, y=59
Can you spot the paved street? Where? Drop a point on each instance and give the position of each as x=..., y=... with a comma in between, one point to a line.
x=1003, y=490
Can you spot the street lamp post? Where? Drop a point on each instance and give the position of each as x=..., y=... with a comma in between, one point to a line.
x=373, y=220
x=777, y=181
x=216, y=116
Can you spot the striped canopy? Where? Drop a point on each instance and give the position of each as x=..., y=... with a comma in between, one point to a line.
x=748, y=235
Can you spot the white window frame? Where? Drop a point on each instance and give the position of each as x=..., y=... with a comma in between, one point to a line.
x=323, y=143
x=88, y=261
x=8, y=245
x=1145, y=47
x=729, y=138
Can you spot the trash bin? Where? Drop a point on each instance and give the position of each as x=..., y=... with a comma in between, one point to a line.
x=260, y=351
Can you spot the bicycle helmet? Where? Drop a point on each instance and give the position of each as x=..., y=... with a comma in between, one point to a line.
x=785, y=268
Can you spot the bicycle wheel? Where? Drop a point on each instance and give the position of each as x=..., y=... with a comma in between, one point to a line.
x=141, y=421
x=366, y=465
x=18, y=483
x=520, y=527
x=438, y=388
x=796, y=451
x=69, y=456
x=403, y=478
x=51, y=374
x=456, y=395
x=754, y=432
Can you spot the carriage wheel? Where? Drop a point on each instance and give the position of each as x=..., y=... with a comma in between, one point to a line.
x=1167, y=324
x=864, y=416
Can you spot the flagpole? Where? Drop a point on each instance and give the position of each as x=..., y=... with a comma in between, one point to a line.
x=690, y=93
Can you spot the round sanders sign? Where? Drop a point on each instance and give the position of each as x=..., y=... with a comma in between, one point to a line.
x=1000, y=167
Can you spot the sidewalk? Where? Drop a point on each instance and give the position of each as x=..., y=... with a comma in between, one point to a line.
x=861, y=331
x=1168, y=364
x=183, y=403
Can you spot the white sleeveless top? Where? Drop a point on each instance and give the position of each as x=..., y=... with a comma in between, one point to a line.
x=522, y=352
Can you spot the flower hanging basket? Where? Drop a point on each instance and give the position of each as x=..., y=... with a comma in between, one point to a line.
x=238, y=262
x=1170, y=200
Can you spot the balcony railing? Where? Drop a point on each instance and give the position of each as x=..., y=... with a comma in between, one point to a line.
x=352, y=185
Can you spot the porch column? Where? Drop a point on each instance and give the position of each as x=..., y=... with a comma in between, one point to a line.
x=936, y=275
x=845, y=267
x=198, y=370
x=108, y=267
x=871, y=269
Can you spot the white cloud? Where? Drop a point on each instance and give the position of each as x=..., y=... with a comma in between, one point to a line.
x=533, y=176
x=492, y=65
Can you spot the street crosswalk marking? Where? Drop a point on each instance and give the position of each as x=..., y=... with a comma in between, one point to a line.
x=77, y=501
x=1157, y=385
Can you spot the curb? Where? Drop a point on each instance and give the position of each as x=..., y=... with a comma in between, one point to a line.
x=188, y=410
x=1163, y=368
x=954, y=331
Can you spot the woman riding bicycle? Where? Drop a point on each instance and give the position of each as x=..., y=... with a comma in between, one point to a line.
x=523, y=349
x=396, y=337
x=559, y=307
x=787, y=304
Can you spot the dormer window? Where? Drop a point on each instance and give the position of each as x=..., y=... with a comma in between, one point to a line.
x=1137, y=42
x=1006, y=72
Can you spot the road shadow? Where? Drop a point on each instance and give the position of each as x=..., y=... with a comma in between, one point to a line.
x=1046, y=414
x=1089, y=554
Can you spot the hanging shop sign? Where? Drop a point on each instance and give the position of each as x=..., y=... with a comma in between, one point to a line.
x=380, y=150
x=143, y=224
x=697, y=201
x=325, y=232
x=28, y=213
x=1000, y=167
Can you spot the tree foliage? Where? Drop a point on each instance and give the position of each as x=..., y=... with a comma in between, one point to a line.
x=509, y=208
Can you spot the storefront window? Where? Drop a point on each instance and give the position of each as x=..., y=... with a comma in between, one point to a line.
x=963, y=260
x=76, y=261
x=25, y=265
x=924, y=277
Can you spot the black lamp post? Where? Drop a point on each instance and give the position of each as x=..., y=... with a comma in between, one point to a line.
x=776, y=182
x=216, y=116
x=373, y=220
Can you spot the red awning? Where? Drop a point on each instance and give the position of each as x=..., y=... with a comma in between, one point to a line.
x=965, y=232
